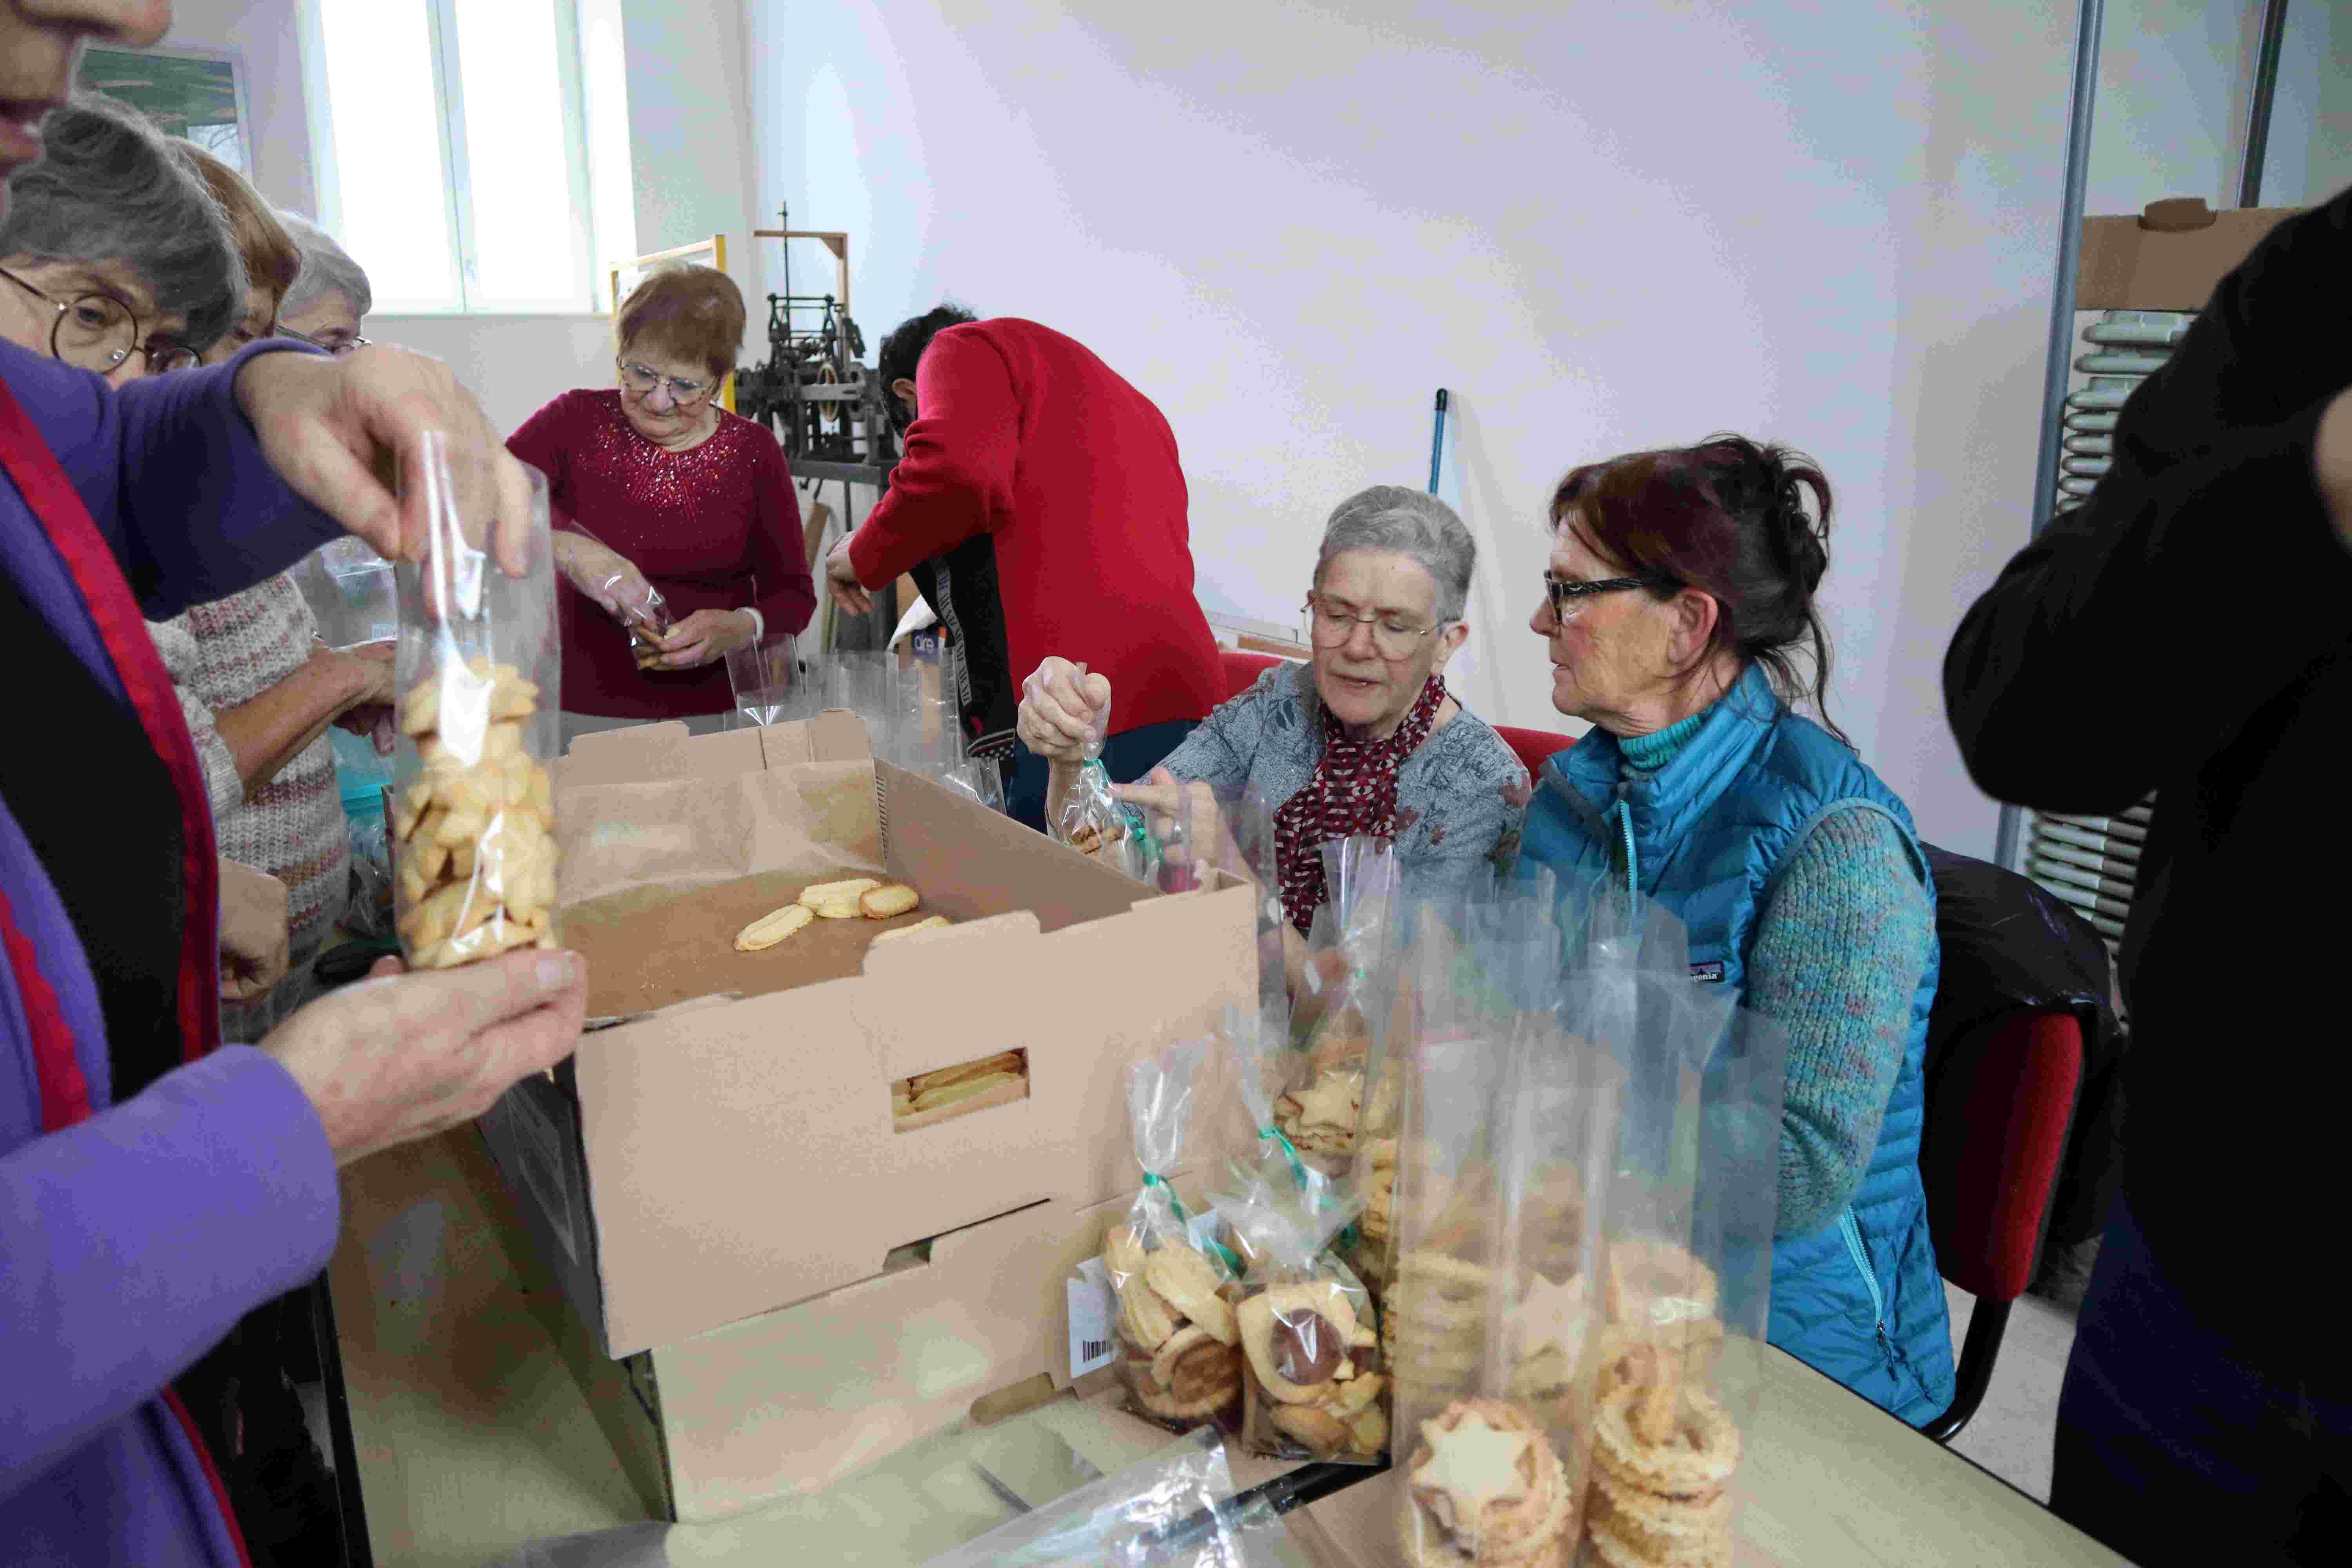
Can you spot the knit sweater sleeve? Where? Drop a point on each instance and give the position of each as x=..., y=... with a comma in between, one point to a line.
x=175, y=640
x=1838, y=954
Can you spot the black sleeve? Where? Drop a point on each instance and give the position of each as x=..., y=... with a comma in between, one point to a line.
x=2204, y=573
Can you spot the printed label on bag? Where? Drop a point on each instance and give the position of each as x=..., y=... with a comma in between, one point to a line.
x=1094, y=1307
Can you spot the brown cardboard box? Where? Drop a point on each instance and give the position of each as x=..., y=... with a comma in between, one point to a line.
x=720, y=1182
x=2130, y=264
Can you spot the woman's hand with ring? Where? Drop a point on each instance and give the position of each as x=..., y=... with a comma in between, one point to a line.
x=705, y=636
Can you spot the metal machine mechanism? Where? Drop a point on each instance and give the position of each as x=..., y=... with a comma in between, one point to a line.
x=824, y=403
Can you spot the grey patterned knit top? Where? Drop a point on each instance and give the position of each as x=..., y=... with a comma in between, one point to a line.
x=1460, y=798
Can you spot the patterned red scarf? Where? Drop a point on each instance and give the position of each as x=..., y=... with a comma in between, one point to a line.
x=1354, y=791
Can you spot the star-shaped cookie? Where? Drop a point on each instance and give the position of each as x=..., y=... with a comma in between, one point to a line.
x=1551, y=1315
x=1331, y=1102
x=1471, y=1465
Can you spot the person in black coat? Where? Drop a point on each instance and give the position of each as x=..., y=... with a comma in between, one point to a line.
x=2188, y=630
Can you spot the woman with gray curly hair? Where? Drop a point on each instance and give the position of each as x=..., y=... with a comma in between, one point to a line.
x=113, y=257
x=1363, y=740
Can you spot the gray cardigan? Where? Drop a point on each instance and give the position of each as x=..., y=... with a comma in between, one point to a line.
x=1460, y=798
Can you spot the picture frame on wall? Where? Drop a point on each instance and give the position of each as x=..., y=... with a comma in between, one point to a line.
x=195, y=93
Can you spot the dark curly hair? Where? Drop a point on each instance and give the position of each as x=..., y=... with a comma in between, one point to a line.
x=1725, y=517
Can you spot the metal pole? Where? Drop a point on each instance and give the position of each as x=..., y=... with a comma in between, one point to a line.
x=2258, y=117
x=1438, y=442
x=2089, y=15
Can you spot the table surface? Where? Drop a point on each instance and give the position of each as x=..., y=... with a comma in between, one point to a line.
x=474, y=1439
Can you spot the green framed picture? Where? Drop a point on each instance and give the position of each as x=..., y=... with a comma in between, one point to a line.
x=195, y=93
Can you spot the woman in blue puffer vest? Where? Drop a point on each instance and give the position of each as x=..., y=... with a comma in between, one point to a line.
x=1678, y=608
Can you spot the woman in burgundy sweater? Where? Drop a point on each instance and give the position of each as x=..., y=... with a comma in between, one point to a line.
x=656, y=486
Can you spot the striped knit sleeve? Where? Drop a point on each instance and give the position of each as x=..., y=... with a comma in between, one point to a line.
x=1838, y=954
x=175, y=640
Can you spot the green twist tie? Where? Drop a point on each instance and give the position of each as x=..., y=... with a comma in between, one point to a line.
x=1176, y=1206
x=1290, y=1152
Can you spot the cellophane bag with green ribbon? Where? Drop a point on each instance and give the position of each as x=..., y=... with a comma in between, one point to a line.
x=1313, y=1386
x=1179, y=1350
x=1093, y=821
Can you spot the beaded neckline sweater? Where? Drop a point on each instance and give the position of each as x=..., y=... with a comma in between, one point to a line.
x=1839, y=950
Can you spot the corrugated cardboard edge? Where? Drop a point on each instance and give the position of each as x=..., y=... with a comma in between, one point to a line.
x=2128, y=267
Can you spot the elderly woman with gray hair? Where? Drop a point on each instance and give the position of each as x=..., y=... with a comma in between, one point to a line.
x=1363, y=740
x=331, y=296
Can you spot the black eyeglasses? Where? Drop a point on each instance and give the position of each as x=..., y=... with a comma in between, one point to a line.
x=97, y=332
x=1568, y=597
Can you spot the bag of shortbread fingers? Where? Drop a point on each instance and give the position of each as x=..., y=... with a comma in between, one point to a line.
x=1178, y=1344
x=478, y=670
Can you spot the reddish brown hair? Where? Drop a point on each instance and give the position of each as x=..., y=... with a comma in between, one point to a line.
x=272, y=260
x=1727, y=518
x=693, y=312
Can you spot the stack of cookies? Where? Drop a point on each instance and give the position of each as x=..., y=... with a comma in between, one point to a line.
x=474, y=832
x=1176, y=1327
x=1485, y=1490
x=1436, y=1326
x=1311, y=1367
x=1376, y=1226
x=1321, y=1118
x=1662, y=1453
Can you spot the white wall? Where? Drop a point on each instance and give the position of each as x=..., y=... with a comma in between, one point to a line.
x=690, y=124
x=513, y=363
x=2311, y=123
x=1602, y=227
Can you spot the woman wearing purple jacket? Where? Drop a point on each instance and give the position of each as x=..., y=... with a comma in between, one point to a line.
x=133, y=1234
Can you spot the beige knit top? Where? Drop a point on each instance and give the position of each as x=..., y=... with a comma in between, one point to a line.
x=229, y=652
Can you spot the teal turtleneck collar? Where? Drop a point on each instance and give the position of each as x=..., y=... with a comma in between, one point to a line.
x=1648, y=754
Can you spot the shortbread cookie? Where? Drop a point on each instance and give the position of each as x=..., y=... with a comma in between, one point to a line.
x=1485, y=1487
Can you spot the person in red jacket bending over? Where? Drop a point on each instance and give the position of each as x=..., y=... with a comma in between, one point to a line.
x=1041, y=509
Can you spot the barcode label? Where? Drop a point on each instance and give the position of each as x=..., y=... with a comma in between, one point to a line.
x=1094, y=1307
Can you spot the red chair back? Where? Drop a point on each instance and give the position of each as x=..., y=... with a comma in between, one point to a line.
x=1995, y=1127
x=1242, y=669
x=1534, y=747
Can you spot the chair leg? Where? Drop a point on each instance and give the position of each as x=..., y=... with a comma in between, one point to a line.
x=1986, y=1325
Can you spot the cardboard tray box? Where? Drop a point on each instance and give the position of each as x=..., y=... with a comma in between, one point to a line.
x=720, y=1182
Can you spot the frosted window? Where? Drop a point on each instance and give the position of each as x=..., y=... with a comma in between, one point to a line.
x=387, y=143
x=526, y=251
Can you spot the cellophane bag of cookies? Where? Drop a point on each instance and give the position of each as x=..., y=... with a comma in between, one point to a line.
x=480, y=673
x=1456, y=930
x=1325, y=1098
x=1313, y=1387
x=1665, y=1444
x=1683, y=1359
x=1507, y=1136
x=1179, y=1351
x=1096, y=822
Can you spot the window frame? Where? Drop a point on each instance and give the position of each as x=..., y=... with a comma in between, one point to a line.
x=449, y=103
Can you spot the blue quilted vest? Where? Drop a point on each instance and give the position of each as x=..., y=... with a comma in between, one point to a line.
x=1708, y=834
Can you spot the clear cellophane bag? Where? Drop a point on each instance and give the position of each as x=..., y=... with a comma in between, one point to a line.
x=1353, y=970
x=1690, y=1203
x=480, y=673
x=1180, y=1358
x=1506, y=1131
